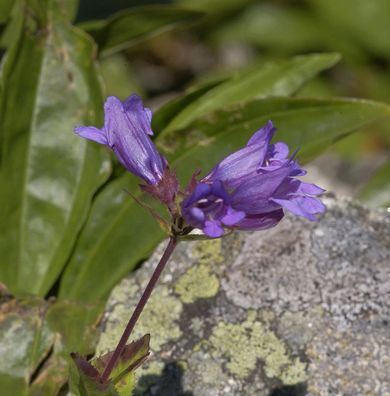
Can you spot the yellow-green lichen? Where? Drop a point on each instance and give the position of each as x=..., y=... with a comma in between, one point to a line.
x=208, y=252
x=293, y=372
x=210, y=373
x=121, y=293
x=197, y=282
x=200, y=281
x=158, y=319
x=152, y=367
x=197, y=326
x=117, y=316
x=197, y=347
x=242, y=344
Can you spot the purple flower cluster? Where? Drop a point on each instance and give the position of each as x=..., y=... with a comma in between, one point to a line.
x=247, y=190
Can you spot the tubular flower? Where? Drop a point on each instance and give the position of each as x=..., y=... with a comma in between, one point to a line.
x=127, y=131
x=249, y=189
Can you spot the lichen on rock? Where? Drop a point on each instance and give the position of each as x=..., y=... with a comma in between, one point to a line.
x=208, y=252
x=245, y=343
x=161, y=312
x=198, y=282
x=301, y=306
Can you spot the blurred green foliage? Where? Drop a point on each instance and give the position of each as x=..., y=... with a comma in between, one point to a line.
x=69, y=232
x=358, y=30
x=128, y=27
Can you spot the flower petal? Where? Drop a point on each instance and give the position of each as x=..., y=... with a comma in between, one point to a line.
x=218, y=189
x=201, y=190
x=238, y=165
x=289, y=186
x=127, y=130
x=92, y=133
x=213, y=228
x=253, y=195
x=310, y=189
x=261, y=221
x=292, y=186
x=138, y=115
x=127, y=127
x=197, y=215
x=264, y=135
x=244, y=162
x=302, y=206
x=279, y=150
x=232, y=217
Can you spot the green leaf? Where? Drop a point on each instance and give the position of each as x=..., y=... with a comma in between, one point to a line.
x=215, y=6
x=163, y=116
x=25, y=341
x=376, y=193
x=130, y=27
x=5, y=10
x=36, y=338
x=127, y=385
x=281, y=78
x=85, y=377
x=309, y=124
x=118, y=234
x=133, y=355
x=74, y=327
x=70, y=8
x=84, y=380
x=11, y=23
x=77, y=324
x=48, y=175
x=51, y=378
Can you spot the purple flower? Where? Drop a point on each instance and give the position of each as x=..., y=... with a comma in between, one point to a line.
x=249, y=189
x=127, y=130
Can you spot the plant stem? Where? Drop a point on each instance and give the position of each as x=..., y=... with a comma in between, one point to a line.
x=139, y=308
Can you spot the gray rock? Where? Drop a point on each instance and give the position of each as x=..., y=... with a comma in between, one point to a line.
x=301, y=309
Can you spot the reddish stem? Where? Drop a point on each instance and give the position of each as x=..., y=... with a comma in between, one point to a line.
x=139, y=308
